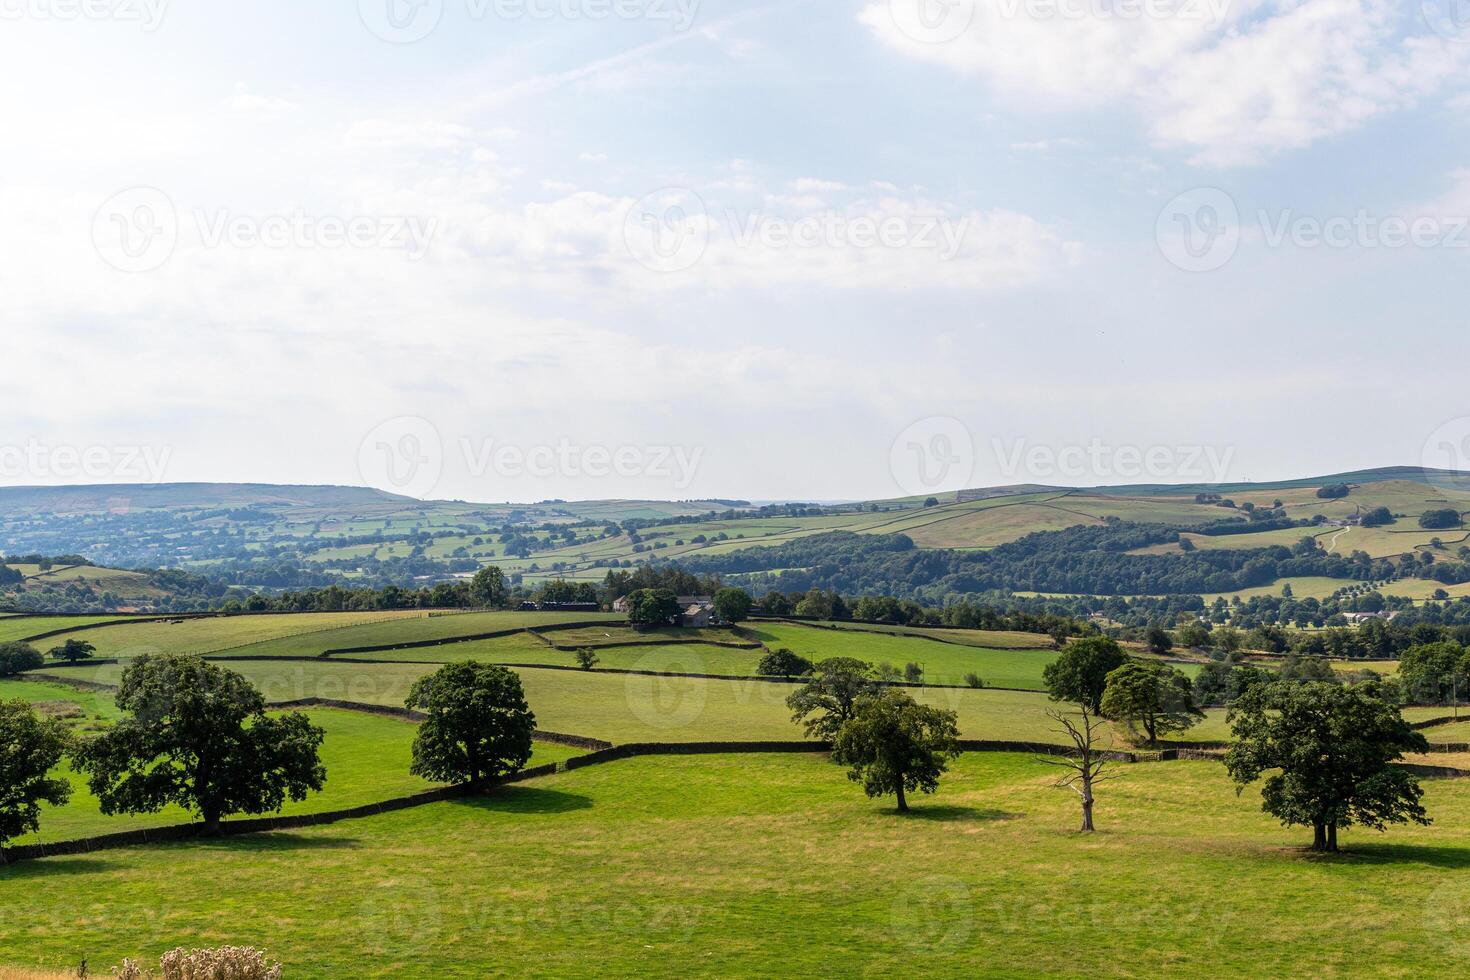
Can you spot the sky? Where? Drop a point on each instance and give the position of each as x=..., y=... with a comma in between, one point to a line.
x=813, y=249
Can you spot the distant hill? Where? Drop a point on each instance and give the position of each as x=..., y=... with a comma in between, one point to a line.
x=168, y=496
x=294, y=537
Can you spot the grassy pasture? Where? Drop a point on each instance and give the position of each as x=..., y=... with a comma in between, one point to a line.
x=218, y=633
x=991, y=639
x=944, y=663
x=1302, y=587
x=1454, y=732
x=13, y=628
x=595, y=636
x=367, y=758
x=723, y=866
x=437, y=627
x=639, y=708
x=1395, y=539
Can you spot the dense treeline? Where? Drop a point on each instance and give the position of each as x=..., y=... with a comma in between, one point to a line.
x=1092, y=560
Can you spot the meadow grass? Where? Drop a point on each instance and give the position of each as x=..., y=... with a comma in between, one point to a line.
x=777, y=865
x=216, y=633
x=990, y=639
x=23, y=627
x=642, y=708
x=367, y=759
x=944, y=663
x=435, y=627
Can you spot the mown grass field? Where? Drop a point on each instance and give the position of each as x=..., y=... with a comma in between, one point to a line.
x=23, y=627
x=214, y=634
x=296, y=634
x=992, y=639
x=943, y=662
x=777, y=865
x=367, y=759
x=643, y=708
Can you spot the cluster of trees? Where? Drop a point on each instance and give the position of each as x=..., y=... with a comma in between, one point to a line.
x=196, y=735
x=891, y=744
x=1083, y=560
x=1325, y=750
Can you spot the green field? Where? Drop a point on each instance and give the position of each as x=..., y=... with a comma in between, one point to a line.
x=640, y=708
x=215, y=634
x=367, y=759
x=992, y=639
x=20, y=628
x=944, y=663
x=777, y=865
x=304, y=634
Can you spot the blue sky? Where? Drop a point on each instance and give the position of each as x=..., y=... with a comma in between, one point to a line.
x=803, y=247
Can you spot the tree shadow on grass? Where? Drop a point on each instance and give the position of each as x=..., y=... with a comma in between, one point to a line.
x=952, y=813
x=525, y=799
x=1427, y=854
x=82, y=864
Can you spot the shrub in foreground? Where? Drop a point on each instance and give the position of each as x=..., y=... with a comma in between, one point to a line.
x=225, y=963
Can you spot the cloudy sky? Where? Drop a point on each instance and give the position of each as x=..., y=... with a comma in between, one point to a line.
x=519, y=249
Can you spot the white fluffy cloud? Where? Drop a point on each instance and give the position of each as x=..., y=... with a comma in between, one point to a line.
x=1229, y=82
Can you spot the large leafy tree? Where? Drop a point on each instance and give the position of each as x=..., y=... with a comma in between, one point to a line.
x=1152, y=699
x=653, y=607
x=479, y=726
x=732, y=605
x=783, y=663
x=830, y=698
x=1329, y=752
x=74, y=651
x=1080, y=672
x=893, y=744
x=18, y=657
x=487, y=587
x=1433, y=673
x=30, y=748
x=197, y=735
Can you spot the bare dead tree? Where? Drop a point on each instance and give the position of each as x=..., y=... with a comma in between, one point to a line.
x=1085, y=767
